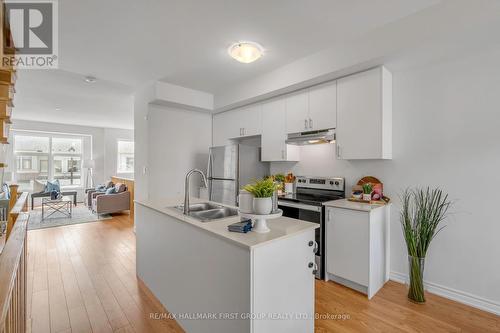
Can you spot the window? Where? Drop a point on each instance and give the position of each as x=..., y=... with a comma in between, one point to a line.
x=43, y=157
x=125, y=157
x=67, y=155
x=31, y=156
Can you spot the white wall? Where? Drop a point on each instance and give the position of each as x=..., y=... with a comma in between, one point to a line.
x=178, y=141
x=445, y=133
x=401, y=38
x=141, y=110
x=111, y=137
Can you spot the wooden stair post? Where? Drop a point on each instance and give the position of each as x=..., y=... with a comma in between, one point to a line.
x=11, y=218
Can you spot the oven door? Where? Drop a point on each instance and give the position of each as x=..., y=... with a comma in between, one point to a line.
x=312, y=214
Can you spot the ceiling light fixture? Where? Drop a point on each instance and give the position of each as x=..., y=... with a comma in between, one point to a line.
x=90, y=79
x=245, y=52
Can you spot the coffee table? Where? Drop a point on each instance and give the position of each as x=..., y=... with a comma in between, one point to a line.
x=50, y=207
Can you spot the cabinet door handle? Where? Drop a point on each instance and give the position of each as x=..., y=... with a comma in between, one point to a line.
x=310, y=123
x=314, y=266
x=315, y=244
x=338, y=151
x=282, y=154
x=315, y=270
x=305, y=123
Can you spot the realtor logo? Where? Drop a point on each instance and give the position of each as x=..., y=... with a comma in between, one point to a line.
x=33, y=26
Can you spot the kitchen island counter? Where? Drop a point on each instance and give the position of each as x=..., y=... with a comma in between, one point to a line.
x=230, y=282
x=280, y=228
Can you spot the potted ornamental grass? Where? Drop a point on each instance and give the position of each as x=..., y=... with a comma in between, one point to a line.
x=422, y=212
x=262, y=191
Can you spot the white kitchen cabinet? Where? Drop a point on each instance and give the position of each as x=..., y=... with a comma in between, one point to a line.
x=357, y=247
x=274, y=147
x=236, y=124
x=224, y=128
x=284, y=268
x=249, y=120
x=297, y=112
x=364, y=115
x=312, y=109
x=323, y=106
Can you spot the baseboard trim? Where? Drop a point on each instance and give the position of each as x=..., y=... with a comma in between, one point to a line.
x=453, y=294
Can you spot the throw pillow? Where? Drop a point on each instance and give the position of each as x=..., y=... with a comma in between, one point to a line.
x=109, y=184
x=6, y=190
x=110, y=190
x=53, y=186
x=120, y=187
x=101, y=188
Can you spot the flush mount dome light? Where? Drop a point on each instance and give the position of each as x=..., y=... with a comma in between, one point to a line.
x=245, y=52
x=90, y=79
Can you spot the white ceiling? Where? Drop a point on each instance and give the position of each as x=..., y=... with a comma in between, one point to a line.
x=125, y=43
x=64, y=97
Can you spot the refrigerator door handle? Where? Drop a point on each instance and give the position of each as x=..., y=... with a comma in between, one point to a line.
x=209, y=165
x=210, y=189
x=209, y=175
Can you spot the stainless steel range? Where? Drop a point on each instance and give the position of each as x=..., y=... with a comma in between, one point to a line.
x=307, y=204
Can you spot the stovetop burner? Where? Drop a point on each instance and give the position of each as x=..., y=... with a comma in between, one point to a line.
x=315, y=191
x=311, y=198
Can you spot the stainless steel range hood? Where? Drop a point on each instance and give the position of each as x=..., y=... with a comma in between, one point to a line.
x=311, y=137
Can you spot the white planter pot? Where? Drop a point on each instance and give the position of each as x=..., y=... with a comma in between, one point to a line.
x=245, y=201
x=367, y=197
x=262, y=206
x=288, y=187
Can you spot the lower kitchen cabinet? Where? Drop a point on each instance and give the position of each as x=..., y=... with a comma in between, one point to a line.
x=357, y=246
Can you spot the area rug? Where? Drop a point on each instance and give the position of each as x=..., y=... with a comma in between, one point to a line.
x=81, y=214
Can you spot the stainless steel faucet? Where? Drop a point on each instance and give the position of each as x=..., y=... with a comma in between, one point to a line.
x=186, y=188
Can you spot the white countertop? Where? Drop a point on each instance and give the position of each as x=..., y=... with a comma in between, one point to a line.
x=281, y=227
x=346, y=204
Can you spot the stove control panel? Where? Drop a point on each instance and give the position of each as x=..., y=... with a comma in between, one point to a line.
x=336, y=184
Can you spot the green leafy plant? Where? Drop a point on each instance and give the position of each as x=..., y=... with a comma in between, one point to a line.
x=279, y=177
x=367, y=188
x=422, y=212
x=263, y=188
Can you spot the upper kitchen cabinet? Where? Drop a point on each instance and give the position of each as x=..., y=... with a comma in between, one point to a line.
x=274, y=147
x=297, y=112
x=364, y=115
x=249, y=120
x=312, y=109
x=224, y=128
x=236, y=124
x=323, y=106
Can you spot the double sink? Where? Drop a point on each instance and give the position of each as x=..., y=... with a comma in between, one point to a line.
x=206, y=211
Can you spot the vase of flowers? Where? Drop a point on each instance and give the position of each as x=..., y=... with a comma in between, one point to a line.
x=289, y=183
x=422, y=212
x=262, y=191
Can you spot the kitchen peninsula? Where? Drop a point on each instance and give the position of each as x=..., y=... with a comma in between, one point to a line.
x=228, y=282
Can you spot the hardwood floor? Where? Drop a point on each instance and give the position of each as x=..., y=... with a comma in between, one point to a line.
x=81, y=278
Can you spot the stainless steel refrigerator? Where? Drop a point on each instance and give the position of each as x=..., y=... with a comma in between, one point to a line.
x=231, y=167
